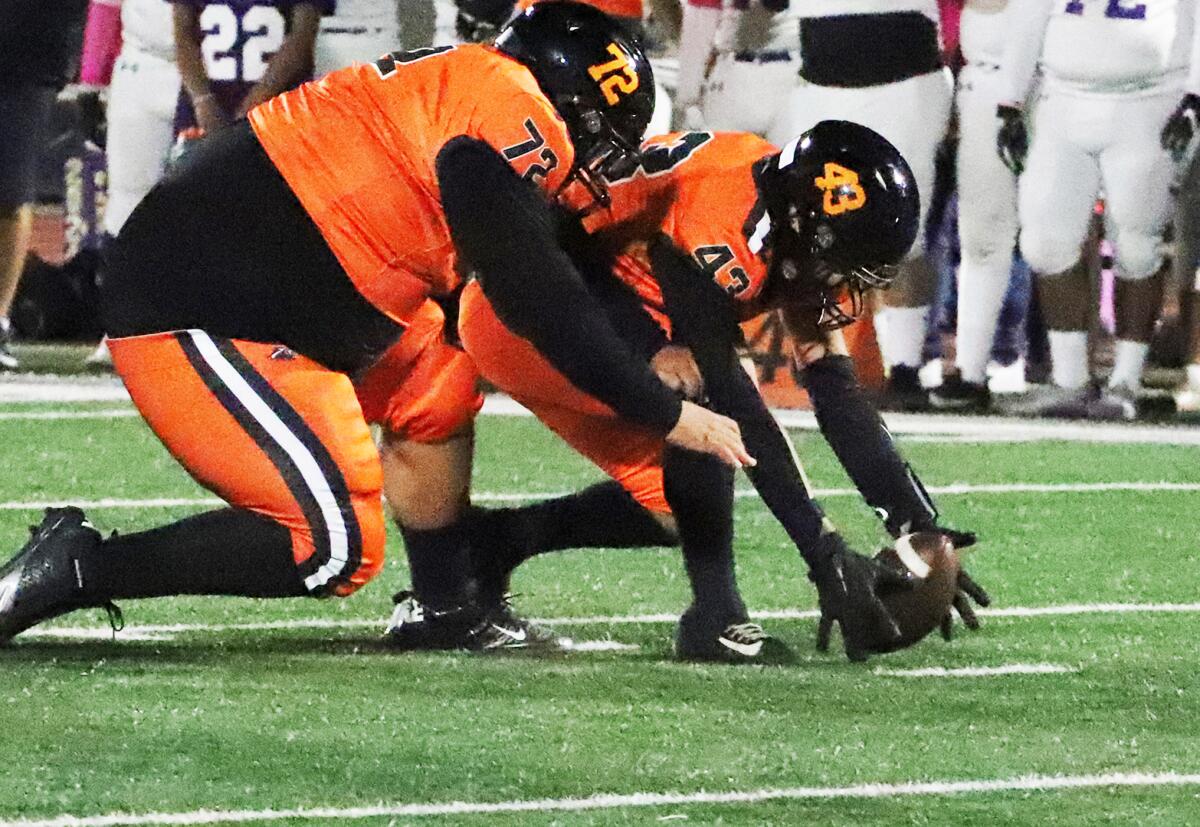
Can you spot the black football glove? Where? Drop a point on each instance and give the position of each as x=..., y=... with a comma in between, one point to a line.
x=848, y=585
x=1181, y=127
x=1012, y=142
x=967, y=588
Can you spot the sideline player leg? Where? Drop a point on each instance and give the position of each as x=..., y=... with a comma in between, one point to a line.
x=1057, y=193
x=987, y=213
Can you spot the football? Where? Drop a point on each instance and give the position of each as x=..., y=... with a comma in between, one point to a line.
x=931, y=558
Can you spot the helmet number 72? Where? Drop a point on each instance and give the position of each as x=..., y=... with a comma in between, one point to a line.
x=616, y=76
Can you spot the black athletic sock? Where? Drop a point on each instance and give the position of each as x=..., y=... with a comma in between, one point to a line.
x=439, y=563
x=699, y=489
x=231, y=551
x=603, y=515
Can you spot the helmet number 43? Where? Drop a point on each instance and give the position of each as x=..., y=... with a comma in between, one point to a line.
x=843, y=192
x=616, y=77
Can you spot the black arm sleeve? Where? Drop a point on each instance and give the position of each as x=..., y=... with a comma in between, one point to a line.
x=856, y=433
x=503, y=228
x=702, y=318
x=624, y=308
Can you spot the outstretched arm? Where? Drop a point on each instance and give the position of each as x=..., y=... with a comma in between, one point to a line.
x=539, y=295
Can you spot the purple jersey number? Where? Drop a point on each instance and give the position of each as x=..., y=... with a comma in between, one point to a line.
x=1115, y=9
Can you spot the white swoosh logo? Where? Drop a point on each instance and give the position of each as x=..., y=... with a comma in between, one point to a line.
x=750, y=650
x=518, y=635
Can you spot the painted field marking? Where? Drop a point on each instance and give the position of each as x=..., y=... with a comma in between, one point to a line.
x=1020, y=612
x=954, y=489
x=107, y=413
x=977, y=671
x=611, y=801
x=23, y=390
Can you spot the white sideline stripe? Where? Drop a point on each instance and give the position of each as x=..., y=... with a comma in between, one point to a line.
x=1063, y=610
x=297, y=451
x=497, y=496
x=931, y=427
x=977, y=671
x=106, y=413
x=611, y=801
x=602, y=646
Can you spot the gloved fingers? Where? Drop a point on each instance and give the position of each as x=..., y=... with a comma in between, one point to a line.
x=960, y=539
x=963, y=607
x=977, y=592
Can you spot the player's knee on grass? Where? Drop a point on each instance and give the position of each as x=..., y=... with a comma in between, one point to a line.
x=372, y=538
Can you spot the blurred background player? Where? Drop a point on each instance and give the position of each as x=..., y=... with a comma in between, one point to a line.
x=879, y=63
x=987, y=209
x=359, y=30
x=37, y=50
x=129, y=46
x=234, y=55
x=754, y=67
x=1114, y=73
x=697, y=30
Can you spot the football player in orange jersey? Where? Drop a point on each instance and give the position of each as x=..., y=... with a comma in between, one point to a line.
x=288, y=252
x=707, y=231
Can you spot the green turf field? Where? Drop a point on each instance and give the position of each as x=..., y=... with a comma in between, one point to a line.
x=245, y=707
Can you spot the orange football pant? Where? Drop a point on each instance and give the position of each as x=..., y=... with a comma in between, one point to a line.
x=268, y=430
x=629, y=453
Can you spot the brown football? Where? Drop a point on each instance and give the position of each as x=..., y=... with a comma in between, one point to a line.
x=931, y=557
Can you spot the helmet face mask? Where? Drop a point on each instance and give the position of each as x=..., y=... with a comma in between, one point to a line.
x=844, y=210
x=597, y=77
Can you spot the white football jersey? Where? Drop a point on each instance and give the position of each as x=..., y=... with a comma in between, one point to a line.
x=755, y=29
x=148, y=26
x=831, y=8
x=982, y=31
x=1101, y=46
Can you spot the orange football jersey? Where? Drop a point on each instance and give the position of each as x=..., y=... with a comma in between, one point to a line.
x=359, y=149
x=698, y=190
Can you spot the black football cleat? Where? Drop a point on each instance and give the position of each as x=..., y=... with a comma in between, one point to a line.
x=417, y=627
x=903, y=391
x=960, y=396
x=8, y=361
x=503, y=629
x=44, y=579
x=702, y=638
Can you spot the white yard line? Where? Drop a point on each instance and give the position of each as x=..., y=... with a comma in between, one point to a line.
x=977, y=671
x=504, y=496
x=1020, y=612
x=611, y=801
x=106, y=413
x=27, y=389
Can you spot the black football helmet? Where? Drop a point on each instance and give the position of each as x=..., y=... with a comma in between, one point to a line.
x=844, y=212
x=478, y=21
x=596, y=75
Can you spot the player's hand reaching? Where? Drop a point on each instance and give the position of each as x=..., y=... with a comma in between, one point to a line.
x=678, y=370
x=848, y=585
x=1012, y=142
x=701, y=430
x=1181, y=127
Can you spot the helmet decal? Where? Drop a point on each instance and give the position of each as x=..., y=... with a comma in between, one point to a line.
x=843, y=192
x=616, y=77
